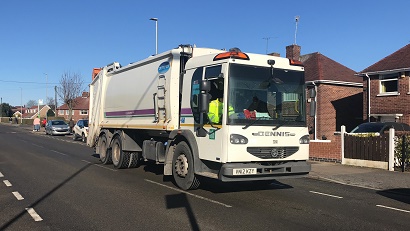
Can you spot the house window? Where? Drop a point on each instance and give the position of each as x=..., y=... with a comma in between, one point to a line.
x=83, y=112
x=389, y=83
x=67, y=112
x=61, y=112
x=290, y=97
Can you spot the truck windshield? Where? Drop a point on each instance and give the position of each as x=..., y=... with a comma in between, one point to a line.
x=265, y=96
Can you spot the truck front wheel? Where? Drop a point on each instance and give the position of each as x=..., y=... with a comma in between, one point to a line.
x=105, y=154
x=183, y=167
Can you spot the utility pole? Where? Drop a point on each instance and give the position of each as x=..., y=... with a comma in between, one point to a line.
x=46, y=93
x=21, y=105
x=55, y=100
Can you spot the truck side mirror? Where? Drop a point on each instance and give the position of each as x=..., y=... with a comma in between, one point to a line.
x=205, y=86
x=204, y=96
x=204, y=99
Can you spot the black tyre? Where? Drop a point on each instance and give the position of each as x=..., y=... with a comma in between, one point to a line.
x=83, y=138
x=135, y=160
x=120, y=159
x=74, y=137
x=183, y=167
x=105, y=154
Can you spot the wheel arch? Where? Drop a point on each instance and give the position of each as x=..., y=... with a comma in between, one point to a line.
x=127, y=142
x=176, y=137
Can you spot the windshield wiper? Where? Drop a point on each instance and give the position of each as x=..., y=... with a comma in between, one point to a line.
x=254, y=121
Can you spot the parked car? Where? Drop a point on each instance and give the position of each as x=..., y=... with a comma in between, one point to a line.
x=380, y=127
x=81, y=130
x=57, y=127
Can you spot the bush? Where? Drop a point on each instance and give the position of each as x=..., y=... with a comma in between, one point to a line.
x=398, y=149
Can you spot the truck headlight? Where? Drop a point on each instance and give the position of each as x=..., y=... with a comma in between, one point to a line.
x=238, y=139
x=304, y=139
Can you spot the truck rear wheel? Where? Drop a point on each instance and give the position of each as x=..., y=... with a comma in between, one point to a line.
x=105, y=155
x=120, y=159
x=183, y=167
x=135, y=160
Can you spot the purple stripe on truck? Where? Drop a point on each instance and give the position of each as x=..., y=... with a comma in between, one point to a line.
x=142, y=112
x=130, y=113
x=186, y=111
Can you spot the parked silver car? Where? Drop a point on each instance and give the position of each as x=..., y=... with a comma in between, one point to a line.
x=57, y=127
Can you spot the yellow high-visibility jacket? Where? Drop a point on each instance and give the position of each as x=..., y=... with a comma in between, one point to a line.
x=215, y=111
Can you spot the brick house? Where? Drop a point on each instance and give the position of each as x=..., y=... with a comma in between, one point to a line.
x=339, y=97
x=33, y=112
x=389, y=82
x=339, y=94
x=80, y=109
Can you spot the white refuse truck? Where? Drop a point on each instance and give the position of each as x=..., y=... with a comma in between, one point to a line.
x=201, y=112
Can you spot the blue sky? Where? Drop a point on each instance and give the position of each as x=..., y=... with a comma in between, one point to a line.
x=57, y=36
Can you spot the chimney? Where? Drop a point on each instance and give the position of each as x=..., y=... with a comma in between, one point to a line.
x=293, y=52
x=276, y=54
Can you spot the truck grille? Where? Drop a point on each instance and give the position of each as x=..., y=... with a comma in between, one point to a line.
x=272, y=152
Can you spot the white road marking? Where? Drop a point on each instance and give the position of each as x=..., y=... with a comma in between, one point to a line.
x=1, y=174
x=99, y=165
x=343, y=183
x=194, y=195
x=59, y=152
x=401, y=210
x=37, y=145
x=324, y=194
x=7, y=183
x=33, y=214
x=18, y=196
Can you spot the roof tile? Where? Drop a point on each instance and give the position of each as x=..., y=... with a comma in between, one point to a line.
x=397, y=60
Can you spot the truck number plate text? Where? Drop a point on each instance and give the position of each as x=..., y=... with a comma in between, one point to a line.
x=244, y=171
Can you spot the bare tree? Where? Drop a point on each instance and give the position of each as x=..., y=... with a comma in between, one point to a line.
x=31, y=103
x=69, y=89
x=50, y=102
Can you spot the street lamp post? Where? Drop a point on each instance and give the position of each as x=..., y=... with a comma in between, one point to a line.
x=46, y=91
x=156, y=34
x=21, y=105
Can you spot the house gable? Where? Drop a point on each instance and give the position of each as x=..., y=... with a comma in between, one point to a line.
x=387, y=83
x=320, y=67
x=397, y=60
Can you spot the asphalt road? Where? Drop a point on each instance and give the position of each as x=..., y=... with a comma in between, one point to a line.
x=54, y=183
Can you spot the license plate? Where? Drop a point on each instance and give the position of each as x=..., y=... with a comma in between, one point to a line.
x=244, y=171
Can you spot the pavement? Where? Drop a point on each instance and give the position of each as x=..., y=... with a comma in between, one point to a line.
x=364, y=177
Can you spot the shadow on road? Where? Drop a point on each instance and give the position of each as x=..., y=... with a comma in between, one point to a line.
x=181, y=201
x=217, y=186
x=96, y=155
x=398, y=194
x=7, y=224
